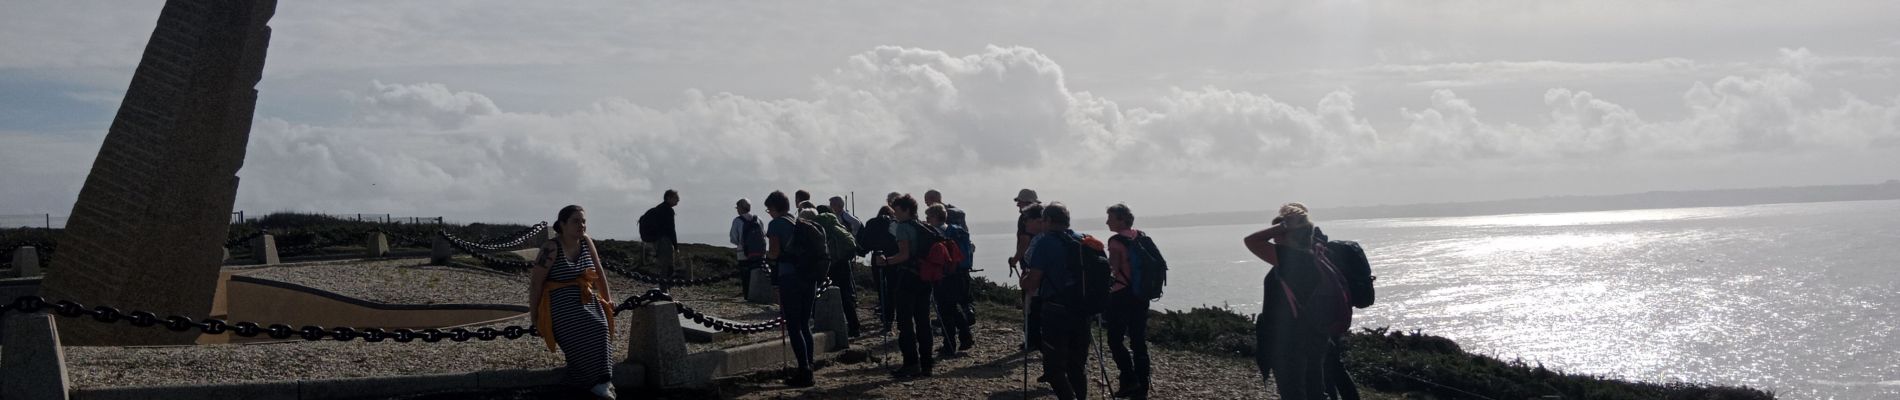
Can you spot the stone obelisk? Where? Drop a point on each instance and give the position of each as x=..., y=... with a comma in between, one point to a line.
x=147, y=229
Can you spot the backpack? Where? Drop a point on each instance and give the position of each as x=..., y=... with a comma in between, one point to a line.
x=957, y=233
x=1351, y=261
x=954, y=216
x=876, y=236
x=1319, y=298
x=1146, y=267
x=810, y=250
x=838, y=238
x=752, y=234
x=1090, y=261
x=938, y=254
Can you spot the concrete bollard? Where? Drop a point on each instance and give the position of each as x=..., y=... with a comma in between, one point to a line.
x=656, y=343
x=35, y=365
x=828, y=314
x=26, y=261
x=376, y=246
x=439, y=251
x=264, y=250
x=759, y=288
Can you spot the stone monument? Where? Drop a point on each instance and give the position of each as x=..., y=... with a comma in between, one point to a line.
x=156, y=207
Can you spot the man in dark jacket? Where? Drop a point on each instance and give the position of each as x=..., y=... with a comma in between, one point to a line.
x=657, y=229
x=875, y=240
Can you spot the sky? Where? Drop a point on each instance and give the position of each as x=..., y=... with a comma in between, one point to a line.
x=506, y=111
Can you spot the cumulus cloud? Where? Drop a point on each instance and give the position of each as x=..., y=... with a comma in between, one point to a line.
x=895, y=117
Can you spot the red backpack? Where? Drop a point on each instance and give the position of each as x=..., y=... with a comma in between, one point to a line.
x=940, y=254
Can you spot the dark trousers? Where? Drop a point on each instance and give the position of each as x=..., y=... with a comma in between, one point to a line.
x=1341, y=386
x=663, y=255
x=1065, y=351
x=1127, y=317
x=1295, y=356
x=950, y=294
x=795, y=305
x=1033, y=330
x=911, y=298
x=841, y=276
x=884, y=288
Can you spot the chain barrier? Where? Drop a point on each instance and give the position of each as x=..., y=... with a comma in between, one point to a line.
x=630, y=273
x=176, y=323
x=305, y=248
x=245, y=241
x=400, y=239
x=485, y=257
x=728, y=326
x=519, y=239
x=44, y=249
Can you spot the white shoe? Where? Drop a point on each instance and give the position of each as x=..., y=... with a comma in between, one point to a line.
x=605, y=390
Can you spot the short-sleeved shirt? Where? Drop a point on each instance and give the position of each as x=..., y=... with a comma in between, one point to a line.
x=1048, y=253
x=1022, y=224
x=904, y=232
x=781, y=228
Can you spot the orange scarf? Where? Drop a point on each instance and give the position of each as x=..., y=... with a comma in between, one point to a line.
x=544, y=319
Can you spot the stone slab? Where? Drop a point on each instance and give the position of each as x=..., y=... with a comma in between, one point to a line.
x=519, y=378
x=264, y=250
x=759, y=288
x=439, y=250
x=656, y=340
x=26, y=261
x=763, y=356
x=29, y=353
x=377, y=245
x=828, y=316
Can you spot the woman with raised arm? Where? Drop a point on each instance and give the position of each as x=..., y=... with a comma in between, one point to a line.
x=1293, y=354
x=567, y=293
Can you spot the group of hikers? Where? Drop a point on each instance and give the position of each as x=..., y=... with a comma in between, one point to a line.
x=920, y=254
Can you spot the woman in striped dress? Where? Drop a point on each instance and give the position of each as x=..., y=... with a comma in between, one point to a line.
x=568, y=296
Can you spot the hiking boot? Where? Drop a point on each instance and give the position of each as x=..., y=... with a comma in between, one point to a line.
x=801, y=378
x=947, y=352
x=967, y=343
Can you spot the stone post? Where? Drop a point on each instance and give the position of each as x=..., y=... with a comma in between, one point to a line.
x=264, y=249
x=828, y=314
x=30, y=353
x=439, y=250
x=656, y=342
x=759, y=288
x=377, y=245
x=26, y=261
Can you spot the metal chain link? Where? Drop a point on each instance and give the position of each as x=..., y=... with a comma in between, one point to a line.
x=630, y=273
x=245, y=241
x=176, y=323
x=519, y=239
x=485, y=257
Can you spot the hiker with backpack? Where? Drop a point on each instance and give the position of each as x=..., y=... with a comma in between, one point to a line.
x=956, y=226
x=658, y=230
x=1139, y=272
x=845, y=216
x=1305, y=305
x=748, y=236
x=1069, y=272
x=798, y=248
x=954, y=285
x=910, y=295
x=842, y=246
x=1027, y=227
x=874, y=241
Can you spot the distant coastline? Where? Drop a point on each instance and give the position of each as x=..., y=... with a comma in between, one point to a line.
x=1889, y=190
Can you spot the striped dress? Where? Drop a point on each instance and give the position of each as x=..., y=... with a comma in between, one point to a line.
x=579, y=326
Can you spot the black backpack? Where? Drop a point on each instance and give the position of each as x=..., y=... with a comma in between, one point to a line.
x=1351, y=261
x=1090, y=297
x=876, y=236
x=810, y=250
x=1146, y=267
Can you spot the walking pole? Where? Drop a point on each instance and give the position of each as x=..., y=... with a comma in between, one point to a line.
x=1100, y=362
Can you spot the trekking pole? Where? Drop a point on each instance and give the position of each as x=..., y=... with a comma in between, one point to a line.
x=1102, y=363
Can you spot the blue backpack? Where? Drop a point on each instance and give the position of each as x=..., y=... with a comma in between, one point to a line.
x=1146, y=267
x=961, y=235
